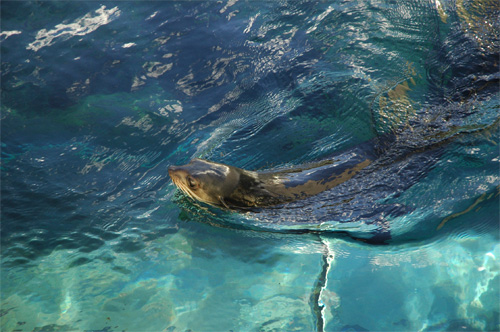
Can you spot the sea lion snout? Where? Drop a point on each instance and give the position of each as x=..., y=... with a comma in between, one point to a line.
x=173, y=171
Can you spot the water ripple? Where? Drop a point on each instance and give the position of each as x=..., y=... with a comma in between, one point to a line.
x=80, y=27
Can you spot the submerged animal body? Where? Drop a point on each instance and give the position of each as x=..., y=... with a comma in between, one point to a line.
x=235, y=188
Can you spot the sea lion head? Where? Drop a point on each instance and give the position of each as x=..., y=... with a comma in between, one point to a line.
x=206, y=181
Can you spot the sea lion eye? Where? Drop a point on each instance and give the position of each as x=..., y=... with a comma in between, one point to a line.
x=191, y=182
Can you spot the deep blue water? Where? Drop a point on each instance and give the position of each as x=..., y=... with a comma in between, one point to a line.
x=98, y=99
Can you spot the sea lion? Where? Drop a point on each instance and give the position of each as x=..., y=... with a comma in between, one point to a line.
x=235, y=188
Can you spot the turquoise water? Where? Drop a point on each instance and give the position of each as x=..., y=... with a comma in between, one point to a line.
x=99, y=99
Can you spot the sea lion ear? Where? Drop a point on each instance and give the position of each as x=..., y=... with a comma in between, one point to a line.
x=221, y=199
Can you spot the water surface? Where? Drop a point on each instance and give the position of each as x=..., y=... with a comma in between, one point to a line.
x=99, y=99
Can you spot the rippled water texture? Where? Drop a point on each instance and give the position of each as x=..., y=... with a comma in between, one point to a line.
x=98, y=99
